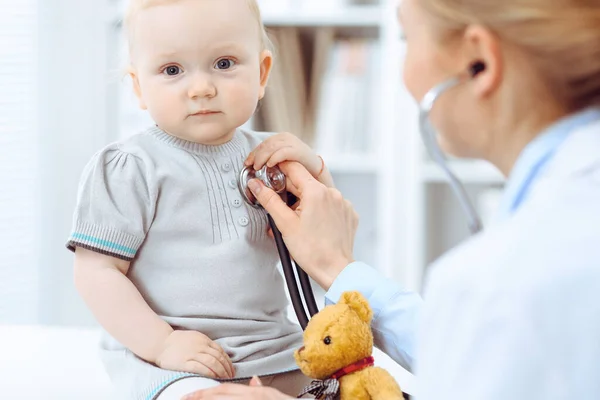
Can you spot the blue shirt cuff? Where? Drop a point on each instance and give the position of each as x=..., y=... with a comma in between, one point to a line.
x=395, y=311
x=360, y=277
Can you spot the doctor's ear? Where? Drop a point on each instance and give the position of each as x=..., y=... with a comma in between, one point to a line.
x=482, y=48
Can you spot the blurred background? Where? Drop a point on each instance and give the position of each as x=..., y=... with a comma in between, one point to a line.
x=64, y=95
x=336, y=84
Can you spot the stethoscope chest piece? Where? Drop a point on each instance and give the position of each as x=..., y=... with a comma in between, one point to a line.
x=271, y=177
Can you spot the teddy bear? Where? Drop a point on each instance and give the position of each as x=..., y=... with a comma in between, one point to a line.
x=337, y=354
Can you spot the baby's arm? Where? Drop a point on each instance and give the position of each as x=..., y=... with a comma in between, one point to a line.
x=118, y=305
x=115, y=207
x=122, y=311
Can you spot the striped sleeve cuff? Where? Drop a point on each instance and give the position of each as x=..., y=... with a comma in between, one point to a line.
x=105, y=241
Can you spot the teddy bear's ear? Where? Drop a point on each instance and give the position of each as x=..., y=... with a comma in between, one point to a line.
x=358, y=304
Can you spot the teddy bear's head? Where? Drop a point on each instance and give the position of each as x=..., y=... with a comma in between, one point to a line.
x=337, y=336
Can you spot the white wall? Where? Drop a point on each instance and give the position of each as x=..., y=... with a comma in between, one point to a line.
x=72, y=127
x=18, y=161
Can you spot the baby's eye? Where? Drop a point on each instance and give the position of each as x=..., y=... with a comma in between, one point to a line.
x=172, y=70
x=224, y=63
x=327, y=340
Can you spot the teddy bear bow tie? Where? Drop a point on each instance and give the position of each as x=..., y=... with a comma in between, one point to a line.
x=328, y=389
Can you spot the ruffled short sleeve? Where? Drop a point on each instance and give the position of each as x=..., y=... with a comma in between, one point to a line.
x=115, y=204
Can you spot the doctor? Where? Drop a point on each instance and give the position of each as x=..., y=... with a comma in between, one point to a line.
x=514, y=312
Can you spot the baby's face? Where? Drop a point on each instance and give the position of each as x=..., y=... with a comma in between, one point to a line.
x=199, y=67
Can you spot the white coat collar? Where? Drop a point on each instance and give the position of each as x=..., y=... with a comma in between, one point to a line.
x=579, y=153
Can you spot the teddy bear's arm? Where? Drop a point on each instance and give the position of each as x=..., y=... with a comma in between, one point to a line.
x=380, y=385
x=352, y=387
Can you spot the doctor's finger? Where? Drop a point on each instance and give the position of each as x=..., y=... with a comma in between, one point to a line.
x=255, y=381
x=236, y=391
x=295, y=205
x=285, y=218
x=351, y=214
x=223, y=392
x=290, y=187
x=298, y=176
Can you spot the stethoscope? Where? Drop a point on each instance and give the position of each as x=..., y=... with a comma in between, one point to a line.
x=273, y=178
x=428, y=135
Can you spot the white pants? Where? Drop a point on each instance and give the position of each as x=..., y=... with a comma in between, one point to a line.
x=290, y=383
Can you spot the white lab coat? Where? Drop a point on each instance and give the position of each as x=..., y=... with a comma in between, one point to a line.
x=520, y=303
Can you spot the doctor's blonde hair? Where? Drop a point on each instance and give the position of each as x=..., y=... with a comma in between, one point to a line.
x=561, y=36
x=135, y=6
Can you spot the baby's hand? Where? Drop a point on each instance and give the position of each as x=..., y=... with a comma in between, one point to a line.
x=191, y=351
x=285, y=147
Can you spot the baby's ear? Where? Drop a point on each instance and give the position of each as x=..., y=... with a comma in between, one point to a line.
x=266, y=65
x=358, y=304
x=136, y=87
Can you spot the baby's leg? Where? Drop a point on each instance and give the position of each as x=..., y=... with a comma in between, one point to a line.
x=290, y=383
x=180, y=388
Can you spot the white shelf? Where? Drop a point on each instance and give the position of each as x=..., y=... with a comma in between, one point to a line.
x=356, y=16
x=474, y=172
x=351, y=163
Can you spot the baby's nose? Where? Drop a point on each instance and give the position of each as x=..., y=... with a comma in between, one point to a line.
x=202, y=86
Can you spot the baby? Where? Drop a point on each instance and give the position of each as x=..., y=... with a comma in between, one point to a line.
x=178, y=270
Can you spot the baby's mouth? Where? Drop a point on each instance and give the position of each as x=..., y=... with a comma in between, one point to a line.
x=204, y=113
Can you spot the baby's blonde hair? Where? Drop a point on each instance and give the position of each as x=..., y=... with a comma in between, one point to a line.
x=136, y=6
x=562, y=37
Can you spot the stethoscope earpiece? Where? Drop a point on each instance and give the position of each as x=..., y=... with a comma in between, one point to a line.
x=476, y=68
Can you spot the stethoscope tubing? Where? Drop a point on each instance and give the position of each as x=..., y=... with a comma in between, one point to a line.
x=429, y=138
x=290, y=278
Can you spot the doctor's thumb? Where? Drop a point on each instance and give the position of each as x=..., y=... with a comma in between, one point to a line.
x=284, y=217
x=255, y=186
x=255, y=381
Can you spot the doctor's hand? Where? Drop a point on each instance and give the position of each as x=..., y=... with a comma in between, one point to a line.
x=320, y=231
x=289, y=147
x=236, y=391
